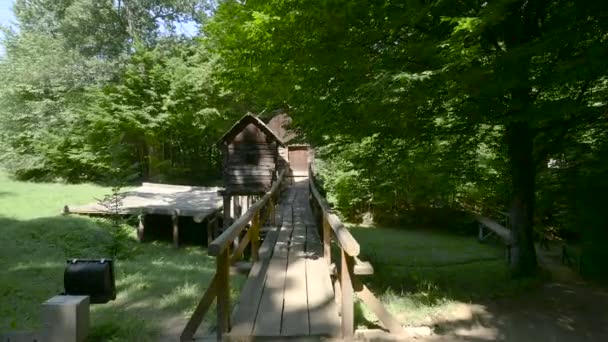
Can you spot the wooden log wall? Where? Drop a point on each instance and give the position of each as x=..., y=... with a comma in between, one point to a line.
x=250, y=166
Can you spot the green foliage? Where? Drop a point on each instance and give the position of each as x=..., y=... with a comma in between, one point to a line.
x=89, y=86
x=464, y=102
x=419, y=109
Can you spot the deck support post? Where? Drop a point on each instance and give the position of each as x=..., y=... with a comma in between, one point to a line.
x=210, y=231
x=223, y=293
x=226, y=222
x=175, y=221
x=348, y=314
x=140, y=227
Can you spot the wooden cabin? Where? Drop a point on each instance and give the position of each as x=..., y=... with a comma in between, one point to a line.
x=251, y=157
x=250, y=166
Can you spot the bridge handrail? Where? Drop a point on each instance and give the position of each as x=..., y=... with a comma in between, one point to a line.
x=347, y=283
x=346, y=241
x=219, y=287
x=223, y=241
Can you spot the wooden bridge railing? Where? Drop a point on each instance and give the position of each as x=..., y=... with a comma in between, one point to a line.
x=346, y=284
x=219, y=288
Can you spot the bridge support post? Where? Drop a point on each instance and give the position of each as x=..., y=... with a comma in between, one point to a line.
x=223, y=292
x=348, y=314
x=141, y=227
x=326, y=239
x=254, y=236
x=175, y=221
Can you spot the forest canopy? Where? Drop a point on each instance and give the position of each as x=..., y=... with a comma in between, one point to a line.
x=417, y=110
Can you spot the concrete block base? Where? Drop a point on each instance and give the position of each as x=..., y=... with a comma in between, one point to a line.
x=65, y=319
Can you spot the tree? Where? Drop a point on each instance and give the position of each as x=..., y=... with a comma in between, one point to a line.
x=541, y=66
x=529, y=71
x=87, y=86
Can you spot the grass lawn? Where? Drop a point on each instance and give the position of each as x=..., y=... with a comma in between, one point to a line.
x=422, y=274
x=156, y=283
x=419, y=275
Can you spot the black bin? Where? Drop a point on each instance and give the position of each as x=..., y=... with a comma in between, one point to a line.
x=90, y=277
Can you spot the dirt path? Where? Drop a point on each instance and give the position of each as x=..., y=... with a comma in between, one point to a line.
x=565, y=309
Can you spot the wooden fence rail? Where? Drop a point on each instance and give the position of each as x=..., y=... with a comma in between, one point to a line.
x=347, y=283
x=219, y=288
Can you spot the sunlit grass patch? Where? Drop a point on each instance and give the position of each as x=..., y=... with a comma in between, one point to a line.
x=421, y=274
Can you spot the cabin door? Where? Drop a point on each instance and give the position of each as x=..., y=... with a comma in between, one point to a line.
x=298, y=160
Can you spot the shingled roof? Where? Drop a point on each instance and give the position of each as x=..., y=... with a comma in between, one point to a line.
x=247, y=119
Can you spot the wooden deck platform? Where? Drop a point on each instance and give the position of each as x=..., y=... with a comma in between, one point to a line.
x=289, y=292
x=161, y=199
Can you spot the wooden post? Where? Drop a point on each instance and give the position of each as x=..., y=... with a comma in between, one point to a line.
x=338, y=294
x=348, y=309
x=210, y=223
x=223, y=292
x=388, y=321
x=480, y=235
x=254, y=236
x=175, y=220
x=327, y=239
x=272, y=214
x=199, y=312
x=237, y=206
x=140, y=227
x=226, y=223
x=238, y=212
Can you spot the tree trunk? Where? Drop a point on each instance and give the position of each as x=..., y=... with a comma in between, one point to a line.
x=520, y=139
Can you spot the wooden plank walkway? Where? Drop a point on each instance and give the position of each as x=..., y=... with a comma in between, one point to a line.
x=289, y=291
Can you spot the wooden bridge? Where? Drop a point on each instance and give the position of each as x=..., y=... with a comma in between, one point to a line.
x=293, y=289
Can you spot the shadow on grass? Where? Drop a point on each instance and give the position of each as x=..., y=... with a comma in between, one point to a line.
x=155, y=282
x=553, y=312
x=463, y=290
x=6, y=193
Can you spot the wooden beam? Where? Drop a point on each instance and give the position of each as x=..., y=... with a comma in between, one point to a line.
x=494, y=226
x=238, y=252
x=345, y=239
x=199, y=313
x=368, y=298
